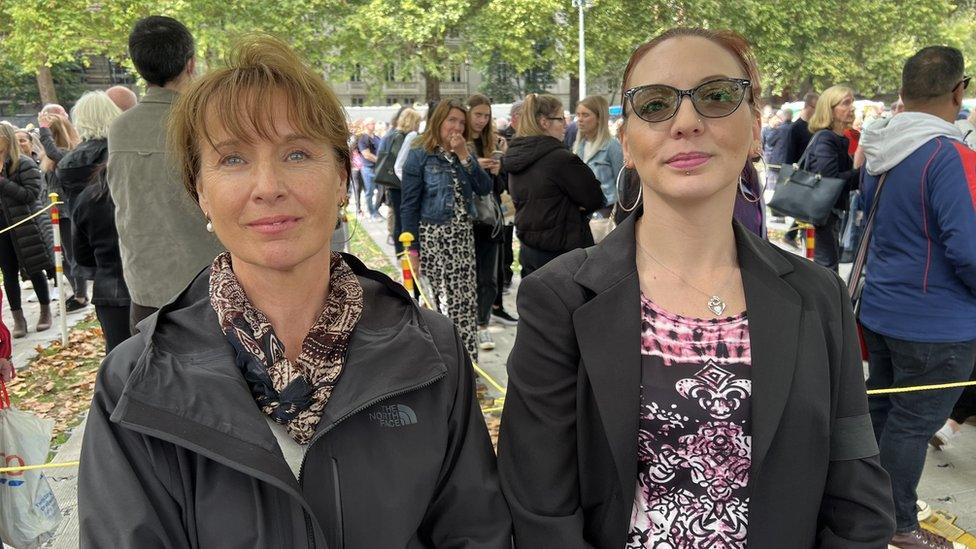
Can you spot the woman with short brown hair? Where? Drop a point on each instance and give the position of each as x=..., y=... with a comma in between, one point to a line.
x=289, y=396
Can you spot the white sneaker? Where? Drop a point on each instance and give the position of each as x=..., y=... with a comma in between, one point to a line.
x=924, y=510
x=485, y=342
x=943, y=436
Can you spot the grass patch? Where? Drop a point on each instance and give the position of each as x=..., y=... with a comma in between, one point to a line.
x=362, y=246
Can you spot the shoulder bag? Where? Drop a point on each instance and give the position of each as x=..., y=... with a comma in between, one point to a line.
x=803, y=195
x=384, y=173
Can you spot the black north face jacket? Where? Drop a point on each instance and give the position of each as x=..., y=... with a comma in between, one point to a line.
x=177, y=454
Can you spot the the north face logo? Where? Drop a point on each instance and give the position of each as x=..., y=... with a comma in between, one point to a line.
x=393, y=415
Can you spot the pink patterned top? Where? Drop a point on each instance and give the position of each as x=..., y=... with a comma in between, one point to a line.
x=694, y=443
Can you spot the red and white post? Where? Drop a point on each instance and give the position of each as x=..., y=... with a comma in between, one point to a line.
x=59, y=269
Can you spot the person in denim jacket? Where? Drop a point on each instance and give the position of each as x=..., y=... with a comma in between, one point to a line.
x=439, y=180
x=602, y=153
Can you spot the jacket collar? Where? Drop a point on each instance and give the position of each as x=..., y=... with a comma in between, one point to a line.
x=156, y=94
x=612, y=357
x=186, y=388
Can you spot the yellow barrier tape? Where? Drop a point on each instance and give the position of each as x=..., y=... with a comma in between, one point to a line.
x=893, y=390
x=430, y=305
x=491, y=381
x=31, y=216
x=33, y=467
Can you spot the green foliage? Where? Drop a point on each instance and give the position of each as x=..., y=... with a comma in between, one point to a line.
x=517, y=44
x=20, y=87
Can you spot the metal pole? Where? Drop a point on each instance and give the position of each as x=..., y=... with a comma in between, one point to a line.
x=59, y=270
x=582, y=52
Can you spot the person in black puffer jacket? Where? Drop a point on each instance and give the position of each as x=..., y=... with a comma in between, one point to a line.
x=23, y=250
x=96, y=242
x=554, y=191
x=92, y=115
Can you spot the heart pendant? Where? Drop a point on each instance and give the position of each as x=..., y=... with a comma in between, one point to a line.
x=716, y=305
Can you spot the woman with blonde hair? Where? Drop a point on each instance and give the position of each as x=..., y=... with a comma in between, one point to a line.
x=554, y=191
x=91, y=116
x=440, y=179
x=395, y=145
x=289, y=396
x=828, y=154
x=23, y=250
x=602, y=153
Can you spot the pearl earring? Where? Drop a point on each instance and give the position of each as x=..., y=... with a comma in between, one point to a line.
x=209, y=225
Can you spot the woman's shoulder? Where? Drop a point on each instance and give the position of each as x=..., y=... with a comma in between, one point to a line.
x=25, y=167
x=118, y=365
x=558, y=279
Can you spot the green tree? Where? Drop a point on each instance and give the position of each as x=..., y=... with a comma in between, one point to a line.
x=422, y=37
x=37, y=35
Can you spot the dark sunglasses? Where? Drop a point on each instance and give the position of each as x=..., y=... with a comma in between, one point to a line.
x=713, y=99
x=965, y=82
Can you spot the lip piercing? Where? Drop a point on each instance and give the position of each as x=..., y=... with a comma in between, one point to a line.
x=687, y=173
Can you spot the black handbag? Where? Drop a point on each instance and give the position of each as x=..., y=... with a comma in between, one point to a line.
x=384, y=173
x=805, y=196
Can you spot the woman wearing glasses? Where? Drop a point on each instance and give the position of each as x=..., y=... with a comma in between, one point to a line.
x=554, y=191
x=684, y=383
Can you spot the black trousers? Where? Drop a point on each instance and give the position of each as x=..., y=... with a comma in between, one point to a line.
x=11, y=276
x=507, y=258
x=965, y=407
x=533, y=259
x=394, y=201
x=136, y=315
x=486, y=252
x=78, y=283
x=115, y=324
x=826, y=249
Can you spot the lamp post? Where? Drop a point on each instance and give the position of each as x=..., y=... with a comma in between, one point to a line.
x=581, y=5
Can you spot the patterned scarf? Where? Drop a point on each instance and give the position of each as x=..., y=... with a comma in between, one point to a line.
x=292, y=394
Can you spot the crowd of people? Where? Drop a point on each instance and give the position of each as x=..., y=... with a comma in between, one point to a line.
x=677, y=378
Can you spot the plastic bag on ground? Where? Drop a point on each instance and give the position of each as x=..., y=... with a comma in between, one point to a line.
x=29, y=512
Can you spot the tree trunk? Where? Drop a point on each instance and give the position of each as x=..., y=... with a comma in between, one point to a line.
x=573, y=92
x=45, y=85
x=433, y=87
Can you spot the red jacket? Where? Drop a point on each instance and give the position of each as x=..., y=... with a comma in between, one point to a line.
x=6, y=349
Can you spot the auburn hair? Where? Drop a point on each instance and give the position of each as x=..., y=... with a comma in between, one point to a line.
x=732, y=41
x=262, y=71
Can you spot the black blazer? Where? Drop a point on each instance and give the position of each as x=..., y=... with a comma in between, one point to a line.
x=568, y=444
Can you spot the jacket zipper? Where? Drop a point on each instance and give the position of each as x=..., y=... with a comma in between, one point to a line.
x=338, y=503
x=317, y=437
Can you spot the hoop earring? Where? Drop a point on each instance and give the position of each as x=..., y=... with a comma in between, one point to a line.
x=640, y=193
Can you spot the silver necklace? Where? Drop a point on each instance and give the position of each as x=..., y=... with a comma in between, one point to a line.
x=715, y=303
